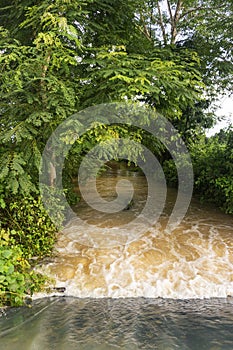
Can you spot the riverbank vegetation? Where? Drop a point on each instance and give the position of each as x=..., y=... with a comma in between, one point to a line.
x=213, y=169
x=212, y=163
x=60, y=57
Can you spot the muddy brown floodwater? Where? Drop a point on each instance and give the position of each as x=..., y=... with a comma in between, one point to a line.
x=193, y=261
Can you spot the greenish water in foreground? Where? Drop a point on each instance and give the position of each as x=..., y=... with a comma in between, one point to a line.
x=130, y=323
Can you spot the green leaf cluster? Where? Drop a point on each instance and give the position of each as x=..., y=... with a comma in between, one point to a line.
x=213, y=168
x=29, y=225
x=26, y=235
x=166, y=79
x=212, y=160
x=17, y=280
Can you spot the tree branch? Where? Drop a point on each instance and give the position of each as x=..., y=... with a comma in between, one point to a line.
x=170, y=11
x=177, y=12
x=43, y=75
x=46, y=66
x=200, y=8
x=175, y=21
x=161, y=23
x=145, y=30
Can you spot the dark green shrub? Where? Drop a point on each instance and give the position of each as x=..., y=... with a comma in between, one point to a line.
x=170, y=172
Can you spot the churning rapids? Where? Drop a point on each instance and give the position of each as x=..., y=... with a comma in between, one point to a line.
x=194, y=261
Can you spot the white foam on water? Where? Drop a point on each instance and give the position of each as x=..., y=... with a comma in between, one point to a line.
x=154, y=266
x=97, y=260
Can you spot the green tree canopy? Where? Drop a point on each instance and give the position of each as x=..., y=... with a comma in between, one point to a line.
x=57, y=58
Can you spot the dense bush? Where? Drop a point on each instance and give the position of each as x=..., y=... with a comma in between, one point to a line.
x=170, y=172
x=26, y=235
x=17, y=279
x=29, y=225
x=212, y=160
x=213, y=168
